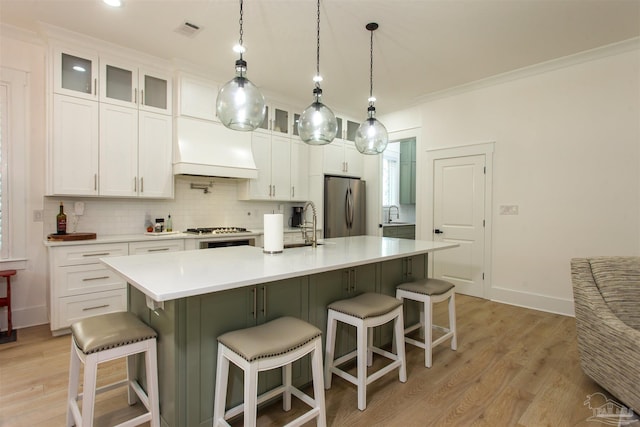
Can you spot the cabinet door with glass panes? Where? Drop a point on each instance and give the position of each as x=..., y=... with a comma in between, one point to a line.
x=278, y=119
x=347, y=128
x=75, y=73
x=127, y=85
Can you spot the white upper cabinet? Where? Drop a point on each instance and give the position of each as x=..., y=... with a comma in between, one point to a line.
x=155, y=155
x=299, y=170
x=118, y=150
x=347, y=128
x=75, y=73
x=197, y=98
x=73, y=153
x=278, y=120
x=272, y=154
x=135, y=153
x=342, y=158
x=129, y=85
x=112, y=127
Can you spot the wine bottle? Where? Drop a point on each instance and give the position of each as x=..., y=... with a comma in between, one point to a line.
x=61, y=221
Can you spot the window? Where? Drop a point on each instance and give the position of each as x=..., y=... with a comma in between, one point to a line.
x=13, y=170
x=390, y=175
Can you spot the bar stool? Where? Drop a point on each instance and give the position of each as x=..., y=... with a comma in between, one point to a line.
x=274, y=344
x=429, y=292
x=365, y=311
x=107, y=337
x=6, y=300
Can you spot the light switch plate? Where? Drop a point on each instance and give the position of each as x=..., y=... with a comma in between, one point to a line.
x=509, y=209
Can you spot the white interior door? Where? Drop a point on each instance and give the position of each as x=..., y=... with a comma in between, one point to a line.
x=458, y=216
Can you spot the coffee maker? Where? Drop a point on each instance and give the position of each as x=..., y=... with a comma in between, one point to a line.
x=296, y=216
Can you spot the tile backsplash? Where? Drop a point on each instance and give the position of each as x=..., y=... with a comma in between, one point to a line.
x=190, y=208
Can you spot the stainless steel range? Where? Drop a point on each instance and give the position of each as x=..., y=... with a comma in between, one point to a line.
x=216, y=230
x=220, y=237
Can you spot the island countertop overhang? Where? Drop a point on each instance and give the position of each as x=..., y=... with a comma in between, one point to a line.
x=174, y=275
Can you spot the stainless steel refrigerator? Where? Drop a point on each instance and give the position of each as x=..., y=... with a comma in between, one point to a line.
x=344, y=207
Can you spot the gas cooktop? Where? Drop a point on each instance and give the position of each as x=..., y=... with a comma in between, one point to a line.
x=216, y=230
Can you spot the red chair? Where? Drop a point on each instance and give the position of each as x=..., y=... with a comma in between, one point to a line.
x=6, y=301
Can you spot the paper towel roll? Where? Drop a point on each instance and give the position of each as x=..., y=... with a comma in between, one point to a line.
x=273, y=234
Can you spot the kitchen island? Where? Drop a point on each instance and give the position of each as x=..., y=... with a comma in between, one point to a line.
x=192, y=297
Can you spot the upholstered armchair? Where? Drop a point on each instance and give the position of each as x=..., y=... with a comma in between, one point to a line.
x=607, y=303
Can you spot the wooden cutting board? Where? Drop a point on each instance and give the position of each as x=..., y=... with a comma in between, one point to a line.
x=70, y=237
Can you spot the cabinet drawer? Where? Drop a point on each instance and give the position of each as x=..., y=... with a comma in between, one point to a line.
x=82, y=279
x=152, y=247
x=71, y=309
x=87, y=254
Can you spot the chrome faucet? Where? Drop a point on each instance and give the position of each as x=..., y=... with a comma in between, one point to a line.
x=389, y=213
x=305, y=225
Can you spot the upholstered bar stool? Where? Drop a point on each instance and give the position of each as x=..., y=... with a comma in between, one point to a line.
x=429, y=292
x=365, y=311
x=107, y=337
x=275, y=344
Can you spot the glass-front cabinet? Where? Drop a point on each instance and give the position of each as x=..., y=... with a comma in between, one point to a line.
x=276, y=120
x=76, y=73
x=128, y=85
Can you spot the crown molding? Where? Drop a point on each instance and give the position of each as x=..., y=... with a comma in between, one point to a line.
x=21, y=34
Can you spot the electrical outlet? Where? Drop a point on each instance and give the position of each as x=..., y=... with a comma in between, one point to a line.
x=38, y=216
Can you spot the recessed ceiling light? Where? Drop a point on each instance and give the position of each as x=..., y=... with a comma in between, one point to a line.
x=113, y=3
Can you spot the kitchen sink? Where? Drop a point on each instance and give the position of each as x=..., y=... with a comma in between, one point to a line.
x=299, y=245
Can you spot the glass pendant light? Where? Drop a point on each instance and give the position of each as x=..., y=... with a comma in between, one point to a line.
x=317, y=124
x=371, y=136
x=240, y=105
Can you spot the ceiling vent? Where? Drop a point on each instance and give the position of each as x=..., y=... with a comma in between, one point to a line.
x=188, y=29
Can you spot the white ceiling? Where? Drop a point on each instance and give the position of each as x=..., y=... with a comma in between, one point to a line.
x=421, y=46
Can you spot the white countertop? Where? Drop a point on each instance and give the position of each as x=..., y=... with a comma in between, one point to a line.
x=168, y=276
x=127, y=238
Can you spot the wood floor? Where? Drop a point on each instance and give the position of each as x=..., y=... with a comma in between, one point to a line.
x=513, y=367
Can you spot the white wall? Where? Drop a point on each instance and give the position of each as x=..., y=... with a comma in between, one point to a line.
x=29, y=297
x=567, y=151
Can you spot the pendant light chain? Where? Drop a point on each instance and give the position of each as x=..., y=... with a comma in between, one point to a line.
x=318, y=47
x=371, y=70
x=241, y=30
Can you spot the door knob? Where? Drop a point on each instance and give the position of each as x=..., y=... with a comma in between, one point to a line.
x=438, y=231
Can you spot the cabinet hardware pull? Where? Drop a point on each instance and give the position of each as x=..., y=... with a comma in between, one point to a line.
x=264, y=301
x=101, y=254
x=293, y=191
x=96, y=307
x=255, y=304
x=135, y=185
x=95, y=182
x=142, y=96
x=409, y=267
x=88, y=279
x=142, y=184
x=274, y=191
x=95, y=87
x=157, y=250
x=355, y=279
x=348, y=274
x=135, y=96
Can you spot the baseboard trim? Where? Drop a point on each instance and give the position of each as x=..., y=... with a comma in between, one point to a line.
x=533, y=301
x=25, y=317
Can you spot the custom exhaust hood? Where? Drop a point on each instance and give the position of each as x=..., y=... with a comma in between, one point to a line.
x=209, y=149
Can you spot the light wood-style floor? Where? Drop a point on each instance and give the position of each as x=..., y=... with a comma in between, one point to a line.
x=513, y=367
